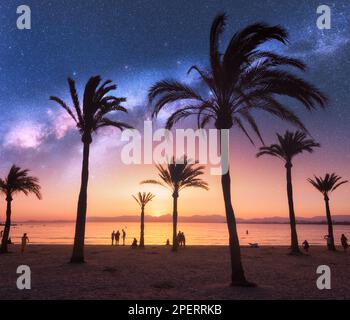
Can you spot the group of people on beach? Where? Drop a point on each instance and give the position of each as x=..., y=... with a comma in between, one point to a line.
x=181, y=240
x=115, y=237
x=328, y=238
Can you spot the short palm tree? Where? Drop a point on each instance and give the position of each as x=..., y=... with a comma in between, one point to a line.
x=326, y=185
x=289, y=145
x=176, y=176
x=238, y=81
x=89, y=118
x=142, y=199
x=17, y=181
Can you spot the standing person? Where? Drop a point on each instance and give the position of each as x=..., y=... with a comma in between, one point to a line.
x=306, y=245
x=113, y=237
x=117, y=236
x=25, y=240
x=344, y=241
x=179, y=238
x=183, y=239
x=329, y=240
x=124, y=236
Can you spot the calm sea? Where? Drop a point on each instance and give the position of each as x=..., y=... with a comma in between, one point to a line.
x=158, y=233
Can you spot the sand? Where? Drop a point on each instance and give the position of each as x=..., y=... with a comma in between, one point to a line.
x=197, y=272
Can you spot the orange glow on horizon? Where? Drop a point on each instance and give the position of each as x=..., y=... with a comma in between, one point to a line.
x=258, y=190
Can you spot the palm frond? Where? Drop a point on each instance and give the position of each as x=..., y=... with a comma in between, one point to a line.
x=64, y=106
x=180, y=173
x=19, y=180
x=150, y=181
x=75, y=99
x=289, y=145
x=328, y=183
x=241, y=80
x=105, y=122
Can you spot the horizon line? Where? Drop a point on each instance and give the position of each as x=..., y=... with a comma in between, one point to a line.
x=213, y=218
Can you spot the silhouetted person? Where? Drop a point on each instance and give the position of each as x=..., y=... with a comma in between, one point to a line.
x=113, y=237
x=247, y=232
x=167, y=242
x=134, y=243
x=178, y=238
x=124, y=236
x=344, y=241
x=181, y=238
x=306, y=245
x=117, y=237
x=25, y=240
x=9, y=241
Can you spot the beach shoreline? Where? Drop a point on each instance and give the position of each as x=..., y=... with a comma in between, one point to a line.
x=195, y=272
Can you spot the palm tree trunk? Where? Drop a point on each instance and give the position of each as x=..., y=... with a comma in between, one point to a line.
x=6, y=233
x=175, y=242
x=294, y=236
x=142, y=235
x=330, y=246
x=78, y=249
x=237, y=272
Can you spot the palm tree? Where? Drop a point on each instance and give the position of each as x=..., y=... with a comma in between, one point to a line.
x=90, y=117
x=17, y=181
x=289, y=145
x=142, y=199
x=176, y=176
x=240, y=80
x=325, y=185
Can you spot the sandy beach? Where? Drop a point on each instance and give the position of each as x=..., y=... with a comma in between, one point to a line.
x=156, y=273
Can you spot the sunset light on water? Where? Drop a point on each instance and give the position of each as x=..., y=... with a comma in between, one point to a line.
x=158, y=232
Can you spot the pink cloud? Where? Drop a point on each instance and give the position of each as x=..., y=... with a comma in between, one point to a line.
x=26, y=135
x=61, y=123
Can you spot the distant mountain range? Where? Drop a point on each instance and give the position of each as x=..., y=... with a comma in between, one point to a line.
x=221, y=219
x=214, y=218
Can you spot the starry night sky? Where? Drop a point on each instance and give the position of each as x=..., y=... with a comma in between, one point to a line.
x=136, y=43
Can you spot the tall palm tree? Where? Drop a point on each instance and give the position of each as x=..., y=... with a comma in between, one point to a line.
x=17, y=181
x=240, y=80
x=142, y=199
x=289, y=145
x=89, y=117
x=176, y=176
x=326, y=185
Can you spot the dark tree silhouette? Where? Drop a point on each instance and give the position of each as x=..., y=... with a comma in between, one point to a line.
x=176, y=176
x=90, y=117
x=240, y=80
x=326, y=185
x=17, y=181
x=289, y=145
x=142, y=199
